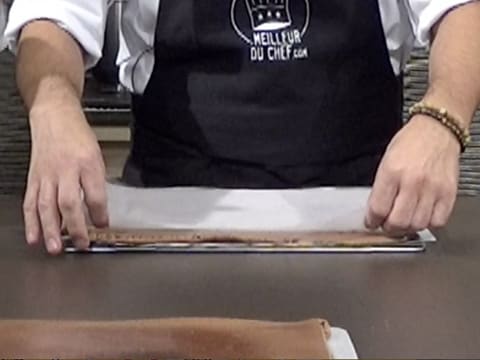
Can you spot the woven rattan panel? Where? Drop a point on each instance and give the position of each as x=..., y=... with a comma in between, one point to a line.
x=14, y=134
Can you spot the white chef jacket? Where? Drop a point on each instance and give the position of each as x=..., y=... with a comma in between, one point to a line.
x=3, y=23
x=405, y=23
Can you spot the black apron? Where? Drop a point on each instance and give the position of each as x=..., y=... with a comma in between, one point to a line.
x=265, y=94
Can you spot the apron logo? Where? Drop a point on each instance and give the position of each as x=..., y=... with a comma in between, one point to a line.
x=274, y=29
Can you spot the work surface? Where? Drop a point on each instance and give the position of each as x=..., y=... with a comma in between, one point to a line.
x=406, y=305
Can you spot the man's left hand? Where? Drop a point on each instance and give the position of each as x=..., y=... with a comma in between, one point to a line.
x=416, y=183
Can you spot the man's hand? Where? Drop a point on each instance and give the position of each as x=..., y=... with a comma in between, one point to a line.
x=66, y=166
x=417, y=180
x=416, y=184
x=66, y=170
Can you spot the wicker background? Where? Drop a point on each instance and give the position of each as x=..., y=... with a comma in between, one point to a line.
x=14, y=135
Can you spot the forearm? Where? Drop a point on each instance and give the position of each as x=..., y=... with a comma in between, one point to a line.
x=50, y=67
x=455, y=63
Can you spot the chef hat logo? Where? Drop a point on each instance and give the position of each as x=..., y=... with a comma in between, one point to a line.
x=269, y=15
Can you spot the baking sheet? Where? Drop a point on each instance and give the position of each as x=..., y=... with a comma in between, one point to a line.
x=231, y=249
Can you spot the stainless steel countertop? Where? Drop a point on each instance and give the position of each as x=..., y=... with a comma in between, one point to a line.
x=394, y=306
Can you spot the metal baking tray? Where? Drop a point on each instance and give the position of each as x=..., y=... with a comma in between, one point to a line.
x=413, y=246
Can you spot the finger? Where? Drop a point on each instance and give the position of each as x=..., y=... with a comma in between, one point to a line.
x=70, y=204
x=49, y=217
x=95, y=192
x=399, y=220
x=424, y=211
x=381, y=199
x=33, y=232
x=442, y=210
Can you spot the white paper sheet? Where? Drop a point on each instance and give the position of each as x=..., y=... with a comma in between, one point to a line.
x=340, y=345
x=315, y=209
x=321, y=209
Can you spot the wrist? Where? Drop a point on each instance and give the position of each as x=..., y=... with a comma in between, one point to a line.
x=448, y=121
x=54, y=94
x=458, y=107
x=437, y=132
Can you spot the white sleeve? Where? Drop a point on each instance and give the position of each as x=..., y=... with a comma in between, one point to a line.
x=424, y=14
x=3, y=23
x=83, y=19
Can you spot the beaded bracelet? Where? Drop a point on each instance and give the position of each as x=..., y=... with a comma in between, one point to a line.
x=450, y=122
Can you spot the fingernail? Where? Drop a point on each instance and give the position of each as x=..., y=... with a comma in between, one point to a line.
x=54, y=245
x=30, y=238
x=104, y=221
x=84, y=244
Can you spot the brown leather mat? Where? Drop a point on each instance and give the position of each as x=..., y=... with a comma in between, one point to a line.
x=166, y=338
x=286, y=239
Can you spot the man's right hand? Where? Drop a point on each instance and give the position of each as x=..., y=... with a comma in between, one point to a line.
x=66, y=172
x=66, y=169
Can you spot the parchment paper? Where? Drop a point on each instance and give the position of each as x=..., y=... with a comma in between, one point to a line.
x=341, y=345
x=313, y=209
